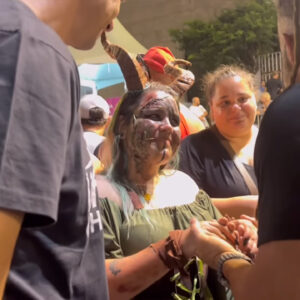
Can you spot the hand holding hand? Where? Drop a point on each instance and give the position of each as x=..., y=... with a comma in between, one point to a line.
x=206, y=242
x=244, y=231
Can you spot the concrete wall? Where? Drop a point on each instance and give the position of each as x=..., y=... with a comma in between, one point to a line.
x=150, y=20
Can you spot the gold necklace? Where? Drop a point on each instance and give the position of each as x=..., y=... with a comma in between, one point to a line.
x=148, y=197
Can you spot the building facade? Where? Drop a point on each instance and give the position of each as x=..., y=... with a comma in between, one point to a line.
x=150, y=21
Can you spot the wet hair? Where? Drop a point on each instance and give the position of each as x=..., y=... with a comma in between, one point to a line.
x=96, y=117
x=122, y=118
x=212, y=79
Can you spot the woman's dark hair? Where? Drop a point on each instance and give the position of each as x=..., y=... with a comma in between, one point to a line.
x=96, y=117
x=211, y=80
x=121, y=119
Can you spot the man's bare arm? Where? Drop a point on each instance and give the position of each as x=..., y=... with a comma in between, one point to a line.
x=275, y=274
x=10, y=224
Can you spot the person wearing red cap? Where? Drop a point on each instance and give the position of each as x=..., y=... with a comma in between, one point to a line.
x=154, y=62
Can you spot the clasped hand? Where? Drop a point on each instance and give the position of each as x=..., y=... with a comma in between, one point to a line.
x=240, y=233
x=209, y=239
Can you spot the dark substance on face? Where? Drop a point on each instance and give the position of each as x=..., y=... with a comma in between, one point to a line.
x=155, y=134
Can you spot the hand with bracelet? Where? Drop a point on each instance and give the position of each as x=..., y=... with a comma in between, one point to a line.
x=239, y=233
x=206, y=244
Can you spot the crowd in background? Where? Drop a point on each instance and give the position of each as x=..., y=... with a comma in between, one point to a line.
x=157, y=201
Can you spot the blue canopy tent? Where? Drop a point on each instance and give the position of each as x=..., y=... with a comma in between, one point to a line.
x=104, y=75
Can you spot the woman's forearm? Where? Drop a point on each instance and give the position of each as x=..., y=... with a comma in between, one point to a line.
x=130, y=275
x=236, y=206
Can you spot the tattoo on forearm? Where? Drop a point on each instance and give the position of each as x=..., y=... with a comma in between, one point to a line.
x=114, y=268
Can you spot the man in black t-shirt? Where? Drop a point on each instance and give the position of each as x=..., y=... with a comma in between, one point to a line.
x=274, y=85
x=275, y=273
x=48, y=206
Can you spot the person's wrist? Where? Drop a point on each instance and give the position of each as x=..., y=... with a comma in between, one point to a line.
x=224, y=261
x=170, y=250
x=216, y=259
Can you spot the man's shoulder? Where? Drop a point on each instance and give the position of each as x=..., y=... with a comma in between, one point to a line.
x=16, y=17
x=288, y=100
x=283, y=113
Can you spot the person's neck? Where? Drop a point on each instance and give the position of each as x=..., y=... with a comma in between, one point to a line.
x=144, y=178
x=240, y=142
x=53, y=13
x=96, y=129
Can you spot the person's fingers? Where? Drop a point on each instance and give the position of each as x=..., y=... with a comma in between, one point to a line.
x=243, y=243
x=215, y=222
x=230, y=235
x=250, y=219
x=223, y=221
x=195, y=223
x=214, y=230
x=231, y=226
x=242, y=229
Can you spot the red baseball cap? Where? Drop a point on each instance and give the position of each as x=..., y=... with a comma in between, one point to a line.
x=157, y=57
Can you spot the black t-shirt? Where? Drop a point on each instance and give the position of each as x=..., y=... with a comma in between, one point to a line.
x=203, y=157
x=274, y=87
x=45, y=169
x=277, y=167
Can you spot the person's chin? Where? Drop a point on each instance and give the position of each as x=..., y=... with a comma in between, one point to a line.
x=241, y=129
x=239, y=122
x=84, y=44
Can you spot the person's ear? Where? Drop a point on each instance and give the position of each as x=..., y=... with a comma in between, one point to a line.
x=289, y=44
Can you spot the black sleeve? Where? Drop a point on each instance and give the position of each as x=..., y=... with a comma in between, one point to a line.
x=277, y=159
x=190, y=162
x=35, y=111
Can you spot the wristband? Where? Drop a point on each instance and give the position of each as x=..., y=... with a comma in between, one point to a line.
x=223, y=258
x=170, y=252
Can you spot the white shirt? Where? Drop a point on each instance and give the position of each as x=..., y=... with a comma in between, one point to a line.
x=93, y=140
x=198, y=110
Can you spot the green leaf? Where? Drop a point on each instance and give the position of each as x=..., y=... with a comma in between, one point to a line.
x=234, y=37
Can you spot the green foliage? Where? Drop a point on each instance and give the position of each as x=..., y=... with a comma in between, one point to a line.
x=237, y=36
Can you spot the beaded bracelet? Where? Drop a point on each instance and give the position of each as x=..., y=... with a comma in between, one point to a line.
x=223, y=258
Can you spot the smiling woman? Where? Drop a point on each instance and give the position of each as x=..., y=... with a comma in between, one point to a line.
x=220, y=159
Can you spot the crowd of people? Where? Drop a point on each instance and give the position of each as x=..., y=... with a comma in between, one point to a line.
x=95, y=206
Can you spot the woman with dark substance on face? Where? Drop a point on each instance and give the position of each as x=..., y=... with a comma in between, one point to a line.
x=147, y=205
x=143, y=197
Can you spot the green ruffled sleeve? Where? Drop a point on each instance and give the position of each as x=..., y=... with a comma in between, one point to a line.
x=112, y=220
x=206, y=203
